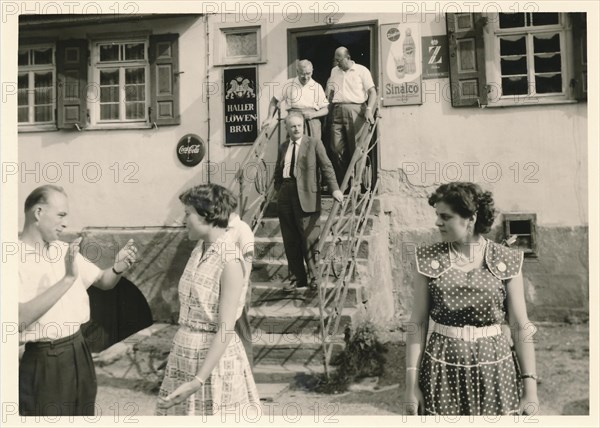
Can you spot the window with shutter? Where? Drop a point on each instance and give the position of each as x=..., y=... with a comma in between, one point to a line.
x=520, y=59
x=120, y=96
x=133, y=83
x=531, y=58
x=164, y=77
x=467, y=59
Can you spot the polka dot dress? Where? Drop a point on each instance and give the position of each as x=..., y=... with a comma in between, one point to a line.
x=459, y=377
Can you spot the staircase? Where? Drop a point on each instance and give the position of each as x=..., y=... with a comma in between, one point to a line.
x=286, y=336
x=295, y=335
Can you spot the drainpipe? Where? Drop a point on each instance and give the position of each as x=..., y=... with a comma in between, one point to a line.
x=206, y=86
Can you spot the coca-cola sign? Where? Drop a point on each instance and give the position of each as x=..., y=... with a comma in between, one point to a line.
x=190, y=150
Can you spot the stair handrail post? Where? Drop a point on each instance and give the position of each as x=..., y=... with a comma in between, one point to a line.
x=357, y=226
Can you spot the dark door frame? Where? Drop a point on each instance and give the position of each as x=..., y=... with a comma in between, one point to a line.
x=372, y=26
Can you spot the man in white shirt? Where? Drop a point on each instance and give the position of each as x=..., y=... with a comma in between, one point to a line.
x=352, y=94
x=302, y=94
x=56, y=372
x=241, y=234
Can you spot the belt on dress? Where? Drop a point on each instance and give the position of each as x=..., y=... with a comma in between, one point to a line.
x=467, y=333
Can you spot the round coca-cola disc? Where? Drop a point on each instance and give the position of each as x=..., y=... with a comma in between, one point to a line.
x=190, y=150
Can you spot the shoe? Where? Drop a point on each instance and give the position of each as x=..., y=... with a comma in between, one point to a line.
x=292, y=286
x=289, y=287
x=312, y=291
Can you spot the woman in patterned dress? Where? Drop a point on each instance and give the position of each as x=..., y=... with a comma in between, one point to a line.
x=462, y=285
x=207, y=370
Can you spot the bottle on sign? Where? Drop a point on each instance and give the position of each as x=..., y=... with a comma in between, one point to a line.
x=409, y=53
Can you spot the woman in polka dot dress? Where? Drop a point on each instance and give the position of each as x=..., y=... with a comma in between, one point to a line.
x=462, y=287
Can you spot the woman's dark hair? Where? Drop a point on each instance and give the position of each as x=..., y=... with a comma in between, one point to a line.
x=211, y=201
x=40, y=195
x=466, y=199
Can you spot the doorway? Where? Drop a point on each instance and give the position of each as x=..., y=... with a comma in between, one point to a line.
x=318, y=45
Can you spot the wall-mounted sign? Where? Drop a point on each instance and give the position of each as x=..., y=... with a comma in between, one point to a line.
x=435, y=57
x=401, y=64
x=241, y=113
x=190, y=150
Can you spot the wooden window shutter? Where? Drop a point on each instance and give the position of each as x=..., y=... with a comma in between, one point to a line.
x=467, y=59
x=71, y=81
x=579, y=81
x=164, y=79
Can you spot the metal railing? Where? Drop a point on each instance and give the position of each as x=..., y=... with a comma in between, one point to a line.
x=342, y=235
x=255, y=210
x=343, y=231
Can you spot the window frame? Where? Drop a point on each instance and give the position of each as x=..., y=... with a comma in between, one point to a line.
x=30, y=70
x=220, y=42
x=94, y=107
x=492, y=35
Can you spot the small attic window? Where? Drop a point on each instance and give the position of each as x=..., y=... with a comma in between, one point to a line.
x=520, y=231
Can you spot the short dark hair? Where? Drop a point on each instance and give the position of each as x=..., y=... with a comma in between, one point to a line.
x=211, y=201
x=467, y=199
x=40, y=195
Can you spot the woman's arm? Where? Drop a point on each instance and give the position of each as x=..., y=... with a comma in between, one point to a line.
x=232, y=280
x=415, y=343
x=231, y=290
x=523, y=331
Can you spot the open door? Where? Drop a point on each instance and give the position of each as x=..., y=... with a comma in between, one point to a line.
x=318, y=45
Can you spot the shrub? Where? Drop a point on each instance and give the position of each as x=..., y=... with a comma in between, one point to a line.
x=363, y=356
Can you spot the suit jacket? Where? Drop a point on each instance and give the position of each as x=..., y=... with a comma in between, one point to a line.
x=311, y=160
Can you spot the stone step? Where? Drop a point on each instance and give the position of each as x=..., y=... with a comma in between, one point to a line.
x=292, y=317
x=283, y=349
x=277, y=270
x=269, y=226
x=327, y=204
x=270, y=293
x=272, y=248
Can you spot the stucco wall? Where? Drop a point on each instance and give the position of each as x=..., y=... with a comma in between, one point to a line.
x=142, y=189
x=538, y=150
x=533, y=158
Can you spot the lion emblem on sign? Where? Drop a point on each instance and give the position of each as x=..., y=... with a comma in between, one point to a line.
x=240, y=87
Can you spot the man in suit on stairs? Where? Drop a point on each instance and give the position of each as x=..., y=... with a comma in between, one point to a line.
x=300, y=162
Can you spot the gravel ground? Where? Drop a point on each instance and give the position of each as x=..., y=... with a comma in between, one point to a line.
x=562, y=353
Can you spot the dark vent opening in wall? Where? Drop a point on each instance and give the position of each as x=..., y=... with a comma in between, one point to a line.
x=520, y=230
x=520, y=227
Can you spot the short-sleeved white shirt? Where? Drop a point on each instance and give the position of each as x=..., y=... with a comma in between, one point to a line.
x=241, y=234
x=37, y=273
x=350, y=86
x=309, y=96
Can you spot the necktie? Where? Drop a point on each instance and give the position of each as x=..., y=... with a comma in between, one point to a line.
x=293, y=161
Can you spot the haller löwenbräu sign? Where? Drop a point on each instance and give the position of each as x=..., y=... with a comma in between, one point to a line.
x=241, y=113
